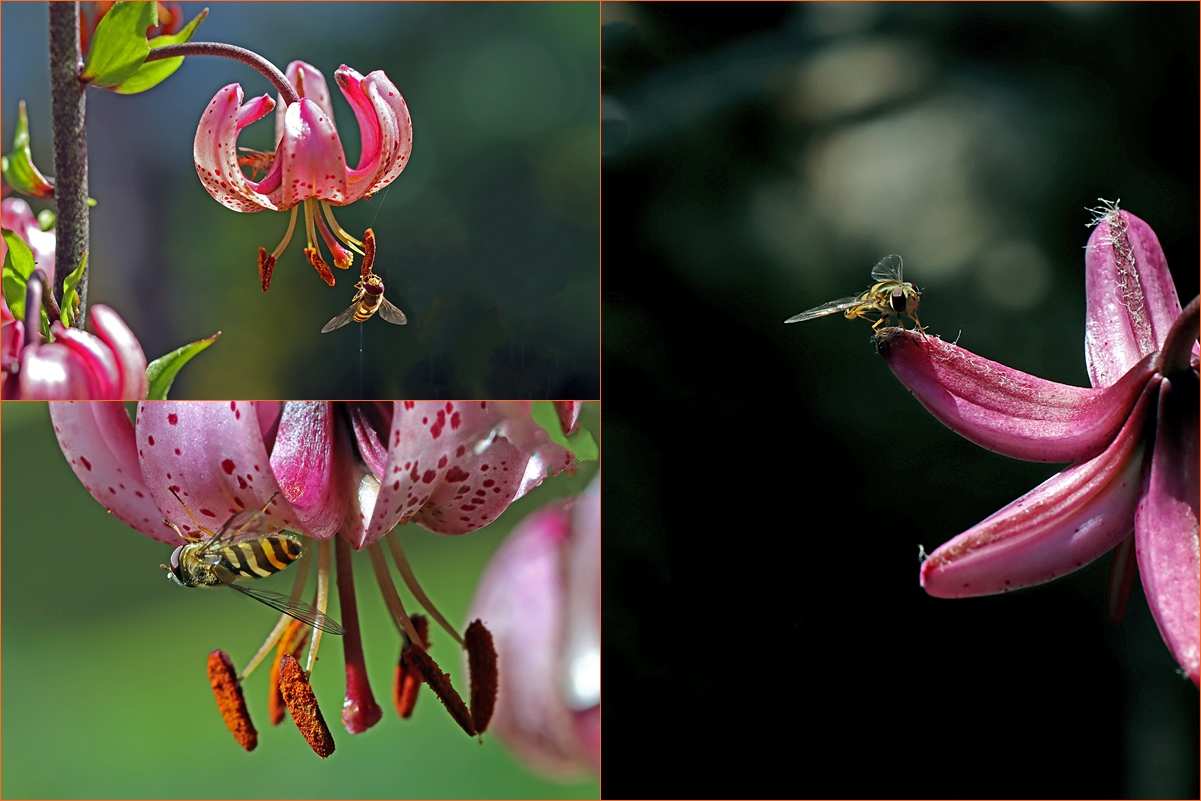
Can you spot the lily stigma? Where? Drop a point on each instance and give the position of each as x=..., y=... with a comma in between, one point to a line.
x=191, y=470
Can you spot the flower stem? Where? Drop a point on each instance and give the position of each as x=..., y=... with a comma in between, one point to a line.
x=1176, y=354
x=237, y=54
x=70, y=150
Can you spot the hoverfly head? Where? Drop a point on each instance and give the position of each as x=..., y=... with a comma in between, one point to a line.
x=174, y=570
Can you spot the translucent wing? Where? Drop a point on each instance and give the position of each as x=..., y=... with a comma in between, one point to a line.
x=842, y=304
x=391, y=313
x=297, y=609
x=342, y=319
x=888, y=269
x=247, y=524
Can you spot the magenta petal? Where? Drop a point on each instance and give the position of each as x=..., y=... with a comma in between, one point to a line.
x=389, y=115
x=96, y=357
x=1006, y=410
x=98, y=441
x=311, y=463
x=1063, y=524
x=212, y=454
x=1166, y=525
x=109, y=326
x=55, y=372
x=311, y=154
x=569, y=415
x=309, y=82
x=1131, y=297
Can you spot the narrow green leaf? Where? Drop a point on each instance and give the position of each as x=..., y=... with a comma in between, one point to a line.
x=18, y=266
x=161, y=372
x=70, y=307
x=119, y=45
x=18, y=166
x=154, y=73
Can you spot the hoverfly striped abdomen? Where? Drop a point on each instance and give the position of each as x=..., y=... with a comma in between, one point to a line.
x=260, y=557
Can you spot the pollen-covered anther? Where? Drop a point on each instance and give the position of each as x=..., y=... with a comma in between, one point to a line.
x=439, y=682
x=302, y=704
x=314, y=257
x=481, y=661
x=224, y=681
x=290, y=642
x=368, y=251
x=407, y=679
x=266, y=268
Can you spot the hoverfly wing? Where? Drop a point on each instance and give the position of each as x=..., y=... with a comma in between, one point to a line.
x=248, y=524
x=391, y=313
x=342, y=319
x=297, y=609
x=888, y=269
x=842, y=304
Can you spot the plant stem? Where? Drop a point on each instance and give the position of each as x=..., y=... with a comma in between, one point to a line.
x=286, y=90
x=70, y=150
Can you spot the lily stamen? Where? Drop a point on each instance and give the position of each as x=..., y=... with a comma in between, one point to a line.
x=439, y=682
x=228, y=692
x=339, y=231
x=406, y=679
x=481, y=663
x=300, y=578
x=323, y=568
x=359, y=711
x=267, y=262
x=302, y=705
x=410, y=580
x=294, y=637
x=383, y=577
x=342, y=257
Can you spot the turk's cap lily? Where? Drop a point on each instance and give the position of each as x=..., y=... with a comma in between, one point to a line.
x=309, y=160
x=1141, y=353
x=540, y=598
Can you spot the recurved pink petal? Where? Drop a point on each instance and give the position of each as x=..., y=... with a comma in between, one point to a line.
x=1063, y=524
x=96, y=357
x=309, y=82
x=312, y=463
x=212, y=454
x=311, y=154
x=569, y=415
x=216, y=151
x=1166, y=524
x=52, y=371
x=1130, y=295
x=131, y=360
x=1006, y=410
x=98, y=440
x=385, y=128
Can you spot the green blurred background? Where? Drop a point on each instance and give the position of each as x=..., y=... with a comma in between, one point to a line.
x=104, y=686
x=488, y=241
x=768, y=485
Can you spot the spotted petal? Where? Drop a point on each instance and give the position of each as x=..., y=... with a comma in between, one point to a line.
x=312, y=466
x=385, y=129
x=216, y=153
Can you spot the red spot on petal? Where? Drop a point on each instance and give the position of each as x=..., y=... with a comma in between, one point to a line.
x=442, y=462
x=228, y=467
x=456, y=474
x=86, y=463
x=429, y=476
x=150, y=440
x=173, y=419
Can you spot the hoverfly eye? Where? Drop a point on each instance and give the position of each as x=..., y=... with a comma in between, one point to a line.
x=898, y=301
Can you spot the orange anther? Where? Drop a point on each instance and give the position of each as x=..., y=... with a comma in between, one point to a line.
x=481, y=661
x=407, y=680
x=266, y=267
x=224, y=681
x=439, y=682
x=302, y=704
x=292, y=640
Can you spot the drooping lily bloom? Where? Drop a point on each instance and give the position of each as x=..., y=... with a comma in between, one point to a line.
x=320, y=470
x=1132, y=438
x=540, y=598
x=308, y=165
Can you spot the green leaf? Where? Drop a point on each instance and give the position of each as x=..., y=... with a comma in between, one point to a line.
x=18, y=266
x=119, y=45
x=580, y=443
x=18, y=166
x=154, y=73
x=70, y=307
x=161, y=372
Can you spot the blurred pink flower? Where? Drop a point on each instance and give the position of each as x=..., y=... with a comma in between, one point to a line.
x=540, y=598
x=15, y=215
x=1127, y=475
x=308, y=165
x=352, y=469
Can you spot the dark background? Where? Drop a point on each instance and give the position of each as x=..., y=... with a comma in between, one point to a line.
x=765, y=634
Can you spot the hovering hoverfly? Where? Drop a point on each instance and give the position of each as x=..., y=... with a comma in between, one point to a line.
x=890, y=297
x=249, y=545
x=369, y=295
x=257, y=160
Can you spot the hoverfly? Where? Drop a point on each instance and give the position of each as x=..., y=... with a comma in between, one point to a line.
x=249, y=545
x=257, y=160
x=369, y=295
x=891, y=296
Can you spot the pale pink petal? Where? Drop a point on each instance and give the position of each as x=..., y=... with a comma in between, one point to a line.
x=212, y=454
x=19, y=218
x=581, y=683
x=385, y=127
x=520, y=599
x=98, y=440
x=1130, y=295
x=1006, y=410
x=53, y=371
x=216, y=151
x=96, y=357
x=1166, y=525
x=308, y=81
x=312, y=465
x=1063, y=524
x=113, y=331
x=311, y=156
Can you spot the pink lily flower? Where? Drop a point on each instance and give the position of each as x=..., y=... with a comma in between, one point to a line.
x=540, y=598
x=1128, y=474
x=318, y=469
x=308, y=165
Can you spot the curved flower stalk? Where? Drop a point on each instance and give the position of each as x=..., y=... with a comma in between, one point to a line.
x=540, y=598
x=308, y=166
x=1132, y=438
x=318, y=469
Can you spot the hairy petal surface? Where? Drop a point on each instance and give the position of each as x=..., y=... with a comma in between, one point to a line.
x=1008, y=411
x=1166, y=524
x=1063, y=524
x=97, y=438
x=1130, y=295
x=212, y=454
x=311, y=463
